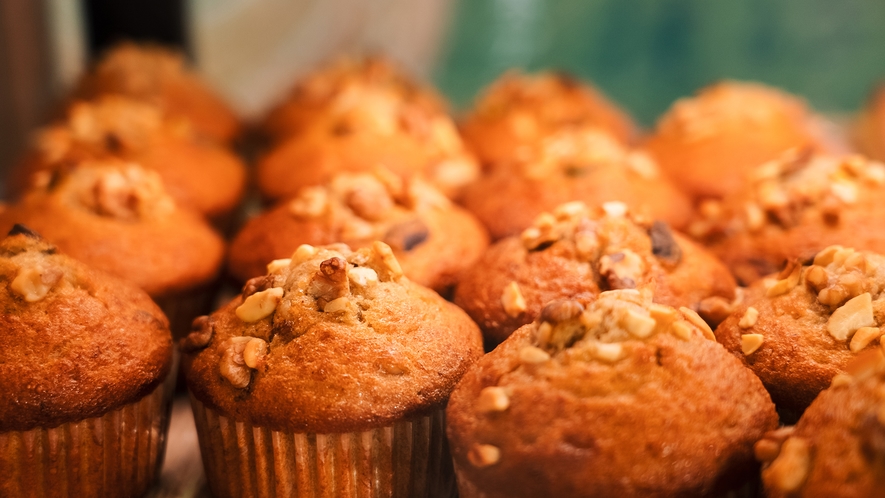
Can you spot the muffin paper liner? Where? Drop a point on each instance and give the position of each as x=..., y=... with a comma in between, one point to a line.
x=407, y=459
x=117, y=454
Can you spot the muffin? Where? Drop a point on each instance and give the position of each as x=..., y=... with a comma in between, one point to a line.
x=86, y=365
x=328, y=377
x=116, y=217
x=708, y=143
x=160, y=76
x=837, y=450
x=578, y=252
x=869, y=131
x=197, y=174
x=799, y=329
x=433, y=239
x=792, y=208
x=349, y=86
x=520, y=109
x=620, y=398
x=575, y=164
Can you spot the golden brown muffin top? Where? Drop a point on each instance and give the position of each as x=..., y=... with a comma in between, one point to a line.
x=117, y=217
x=618, y=384
x=330, y=340
x=800, y=329
x=76, y=343
x=837, y=449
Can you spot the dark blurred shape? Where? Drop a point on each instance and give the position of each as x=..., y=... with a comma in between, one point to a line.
x=112, y=21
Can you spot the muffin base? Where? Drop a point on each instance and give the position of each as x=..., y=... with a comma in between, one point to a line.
x=117, y=454
x=407, y=459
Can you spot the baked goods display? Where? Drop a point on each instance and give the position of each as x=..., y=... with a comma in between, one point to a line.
x=578, y=163
x=434, y=240
x=333, y=370
x=578, y=252
x=86, y=368
x=836, y=448
x=615, y=397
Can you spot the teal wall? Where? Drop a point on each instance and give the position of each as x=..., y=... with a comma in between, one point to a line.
x=646, y=53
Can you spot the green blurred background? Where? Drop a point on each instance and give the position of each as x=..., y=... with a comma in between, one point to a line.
x=646, y=53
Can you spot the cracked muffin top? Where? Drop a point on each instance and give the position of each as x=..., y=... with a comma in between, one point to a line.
x=518, y=110
x=708, y=143
x=117, y=217
x=197, y=174
x=352, y=87
x=837, y=449
x=76, y=342
x=794, y=207
x=799, y=329
x=434, y=239
x=160, y=76
x=330, y=340
x=578, y=252
x=580, y=163
x=638, y=389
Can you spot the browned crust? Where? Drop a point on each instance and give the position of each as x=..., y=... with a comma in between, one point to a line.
x=92, y=344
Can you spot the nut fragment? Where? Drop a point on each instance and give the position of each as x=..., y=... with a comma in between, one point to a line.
x=638, y=324
x=863, y=337
x=232, y=365
x=614, y=209
x=33, y=284
x=786, y=284
x=303, y=253
x=362, y=276
x=698, y=322
x=788, y=471
x=561, y=311
x=840, y=380
x=817, y=277
x=255, y=353
x=751, y=342
x=512, y=300
x=259, y=305
x=200, y=335
x=330, y=282
x=310, y=203
x=277, y=265
x=608, y=352
x=336, y=305
x=483, y=455
x=533, y=355
x=492, y=399
x=854, y=314
x=749, y=318
x=393, y=270
x=621, y=270
x=681, y=330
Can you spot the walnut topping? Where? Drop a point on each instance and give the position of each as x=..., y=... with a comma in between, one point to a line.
x=303, y=253
x=330, y=282
x=787, y=282
x=33, y=283
x=698, y=322
x=493, y=399
x=277, y=265
x=336, y=305
x=260, y=305
x=123, y=191
x=483, y=455
x=200, y=335
x=255, y=353
x=532, y=355
x=362, y=277
x=512, y=300
x=789, y=470
x=311, y=202
x=768, y=448
x=749, y=318
x=608, y=352
x=622, y=270
x=615, y=209
x=715, y=309
x=854, y=314
x=863, y=337
x=561, y=311
x=233, y=365
x=751, y=342
x=638, y=324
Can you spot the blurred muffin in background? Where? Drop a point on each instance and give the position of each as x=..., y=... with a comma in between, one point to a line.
x=579, y=163
x=619, y=397
x=793, y=207
x=117, y=217
x=869, y=130
x=709, y=143
x=86, y=365
x=836, y=449
x=575, y=253
x=161, y=77
x=518, y=110
x=329, y=376
x=196, y=173
x=434, y=240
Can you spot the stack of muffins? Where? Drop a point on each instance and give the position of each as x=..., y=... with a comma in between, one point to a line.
x=543, y=301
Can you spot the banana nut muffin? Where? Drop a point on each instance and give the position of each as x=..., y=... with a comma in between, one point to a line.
x=620, y=397
x=708, y=143
x=578, y=252
x=350, y=85
x=328, y=375
x=83, y=359
x=116, y=217
x=434, y=240
x=575, y=164
x=869, y=131
x=792, y=208
x=837, y=449
x=798, y=330
x=197, y=174
x=160, y=76
x=518, y=110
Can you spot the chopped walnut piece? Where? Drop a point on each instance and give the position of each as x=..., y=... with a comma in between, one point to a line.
x=303, y=253
x=232, y=365
x=750, y=343
x=817, y=277
x=863, y=337
x=608, y=352
x=789, y=470
x=311, y=202
x=336, y=305
x=493, y=399
x=512, y=300
x=330, y=282
x=362, y=277
x=255, y=353
x=854, y=314
x=32, y=283
x=715, y=309
x=278, y=264
x=533, y=355
x=260, y=305
x=483, y=455
x=698, y=322
x=638, y=324
x=749, y=318
x=681, y=330
x=200, y=335
x=369, y=200
x=622, y=270
x=560, y=311
x=615, y=209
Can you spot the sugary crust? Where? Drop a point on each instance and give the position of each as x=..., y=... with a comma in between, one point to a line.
x=708, y=142
x=160, y=76
x=338, y=357
x=669, y=417
x=80, y=344
x=197, y=174
x=142, y=238
x=519, y=109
